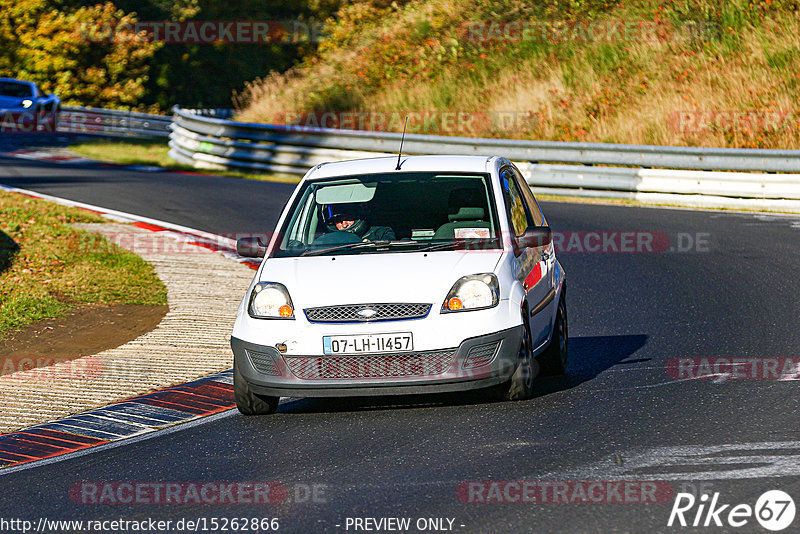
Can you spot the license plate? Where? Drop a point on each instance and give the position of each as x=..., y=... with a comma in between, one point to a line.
x=368, y=343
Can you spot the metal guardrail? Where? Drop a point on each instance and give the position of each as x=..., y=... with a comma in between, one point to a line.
x=206, y=139
x=217, y=113
x=695, y=158
x=212, y=143
x=113, y=122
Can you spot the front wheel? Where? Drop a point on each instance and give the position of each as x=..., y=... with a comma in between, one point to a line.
x=520, y=386
x=249, y=403
x=554, y=357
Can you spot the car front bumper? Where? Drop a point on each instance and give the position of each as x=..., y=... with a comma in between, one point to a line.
x=476, y=362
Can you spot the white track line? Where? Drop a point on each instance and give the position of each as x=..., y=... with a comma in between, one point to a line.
x=177, y=427
x=122, y=216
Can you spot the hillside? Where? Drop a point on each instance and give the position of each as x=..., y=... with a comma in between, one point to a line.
x=694, y=72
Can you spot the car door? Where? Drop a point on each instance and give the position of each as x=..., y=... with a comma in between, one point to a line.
x=532, y=268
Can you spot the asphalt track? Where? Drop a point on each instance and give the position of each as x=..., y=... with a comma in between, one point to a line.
x=619, y=414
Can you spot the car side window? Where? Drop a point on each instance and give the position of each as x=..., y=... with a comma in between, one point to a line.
x=530, y=200
x=515, y=205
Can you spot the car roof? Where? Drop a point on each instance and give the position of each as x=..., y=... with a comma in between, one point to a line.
x=466, y=164
x=16, y=80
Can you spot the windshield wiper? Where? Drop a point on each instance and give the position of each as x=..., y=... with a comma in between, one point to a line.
x=440, y=246
x=347, y=246
x=362, y=244
x=478, y=244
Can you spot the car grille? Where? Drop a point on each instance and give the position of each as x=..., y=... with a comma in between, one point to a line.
x=409, y=364
x=263, y=362
x=382, y=312
x=481, y=355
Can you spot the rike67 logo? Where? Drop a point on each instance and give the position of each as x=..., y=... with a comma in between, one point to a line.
x=774, y=510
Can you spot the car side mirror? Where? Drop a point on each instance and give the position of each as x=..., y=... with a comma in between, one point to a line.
x=535, y=236
x=251, y=247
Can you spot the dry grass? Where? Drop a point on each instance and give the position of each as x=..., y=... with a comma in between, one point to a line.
x=734, y=83
x=48, y=267
x=156, y=153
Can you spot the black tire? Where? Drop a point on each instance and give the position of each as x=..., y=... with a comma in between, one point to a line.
x=249, y=403
x=520, y=386
x=554, y=357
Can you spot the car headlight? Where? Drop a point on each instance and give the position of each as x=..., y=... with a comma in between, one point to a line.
x=473, y=292
x=270, y=300
x=27, y=103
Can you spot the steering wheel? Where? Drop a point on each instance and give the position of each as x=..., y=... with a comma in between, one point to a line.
x=337, y=238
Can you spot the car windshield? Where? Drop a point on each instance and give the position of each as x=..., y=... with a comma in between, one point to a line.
x=15, y=89
x=401, y=212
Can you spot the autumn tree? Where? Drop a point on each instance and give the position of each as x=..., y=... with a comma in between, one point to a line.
x=75, y=52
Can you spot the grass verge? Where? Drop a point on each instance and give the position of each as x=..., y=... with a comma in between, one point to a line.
x=48, y=267
x=154, y=152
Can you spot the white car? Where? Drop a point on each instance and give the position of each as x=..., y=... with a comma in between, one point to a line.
x=389, y=276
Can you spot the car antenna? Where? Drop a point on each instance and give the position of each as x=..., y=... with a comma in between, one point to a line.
x=402, y=139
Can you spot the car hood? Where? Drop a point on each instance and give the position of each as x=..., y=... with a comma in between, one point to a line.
x=11, y=102
x=375, y=278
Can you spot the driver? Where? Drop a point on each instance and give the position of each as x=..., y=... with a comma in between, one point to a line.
x=351, y=218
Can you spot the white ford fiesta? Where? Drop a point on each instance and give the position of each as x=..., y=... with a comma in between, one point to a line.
x=395, y=276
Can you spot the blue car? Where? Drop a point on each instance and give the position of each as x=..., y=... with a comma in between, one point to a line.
x=25, y=108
